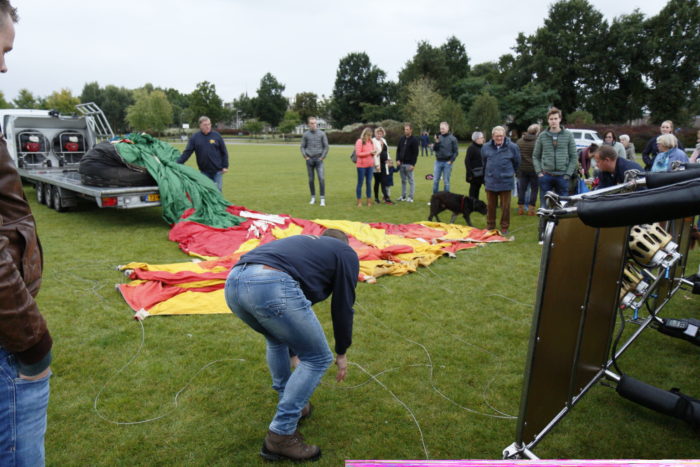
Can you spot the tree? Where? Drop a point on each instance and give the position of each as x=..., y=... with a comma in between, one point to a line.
x=484, y=114
x=428, y=62
x=456, y=60
x=527, y=105
x=270, y=105
x=306, y=104
x=204, y=101
x=151, y=112
x=423, y=104
x=3, y=103
x=180, y=103
x=290, y=121
x=63, y=101
x=356, y=81
x=377, y=113
x=580, y=117
x=92, y=92
x=452, y=113
x=674, y=74
x=254, y=126
x=115, y=101
x=25, y=100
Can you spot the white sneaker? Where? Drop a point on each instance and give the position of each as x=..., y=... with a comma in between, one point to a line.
x=428, y=203
x=323, y=202
x=313, y=200
x=410, y=200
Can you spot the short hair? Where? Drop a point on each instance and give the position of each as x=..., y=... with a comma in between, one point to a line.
x=610, y=132
x=624, y=137
x=308, y=120
x=533, y=129
x=7, y=9
x=552, y=111
x=337, y=234
x=606, y=152
x=446, y=124
x=203, y=119
x=407, y=124
x=668, y=140
x=378, y=129
x=367, y=132
x=498, y=128
x=476, y=135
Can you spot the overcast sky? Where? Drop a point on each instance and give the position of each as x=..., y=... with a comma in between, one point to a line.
x=231, y=43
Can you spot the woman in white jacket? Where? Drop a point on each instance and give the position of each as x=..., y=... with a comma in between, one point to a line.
x=382, y=162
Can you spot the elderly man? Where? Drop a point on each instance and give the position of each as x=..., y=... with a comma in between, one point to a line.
x=210, y=148
x=314, y=149
x=25, y=342
x=501, y=158
x=445, y=154
x=611, y=168
x=406, y=157
x=271, y=289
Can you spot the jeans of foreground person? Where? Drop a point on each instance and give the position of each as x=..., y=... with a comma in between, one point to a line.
x=23, y=406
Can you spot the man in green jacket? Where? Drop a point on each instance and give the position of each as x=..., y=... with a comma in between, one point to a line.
x=554, y=157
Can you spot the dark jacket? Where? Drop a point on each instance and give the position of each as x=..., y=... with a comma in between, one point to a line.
x=500, y=165
x=473, y=161
x=212, y=155
x=407, y=150
x=526, y=144
x=447, y=148
x=23, y=330
x=322, y=266
x=606, y=179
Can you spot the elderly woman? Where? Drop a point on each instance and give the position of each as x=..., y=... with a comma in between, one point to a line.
x=668, y=153
x=696, y=154
x=364, y=150
x=629, y=147
x=651, y=149
x=610, y=139
x=474, y=165
x=501, y=158
x=382, y=161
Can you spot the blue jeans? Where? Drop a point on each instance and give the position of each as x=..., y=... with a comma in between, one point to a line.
x=444, y=169
x=216, y=177
x=272, y=303
x=316, y=164
x=555, y=183
x=23, y=407
x=364, y=173
x=527, y=180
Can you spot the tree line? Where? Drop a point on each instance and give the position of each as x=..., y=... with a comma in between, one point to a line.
x=595, y=70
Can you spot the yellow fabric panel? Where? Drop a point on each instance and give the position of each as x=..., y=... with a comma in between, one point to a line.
x=248, y=245
x=361, y=231
x=292, y=229
x=173, y=267
x=191, y=285
x=190, y=303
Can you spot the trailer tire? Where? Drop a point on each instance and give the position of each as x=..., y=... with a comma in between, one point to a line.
x=39, y=187
x=56, y=199
x=46, y=189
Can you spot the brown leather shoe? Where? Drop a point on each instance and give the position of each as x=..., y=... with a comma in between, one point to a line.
x=531, y=211
x=521, y=211
x=306, y=411
x=288, y=447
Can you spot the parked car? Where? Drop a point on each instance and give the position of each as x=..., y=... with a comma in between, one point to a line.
x=584, y=138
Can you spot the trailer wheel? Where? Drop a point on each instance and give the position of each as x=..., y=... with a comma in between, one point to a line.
x=56, y=199
x=46, y=193
x=41, y=199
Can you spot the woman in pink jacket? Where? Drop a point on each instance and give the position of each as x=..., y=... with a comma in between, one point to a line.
x=364, y=150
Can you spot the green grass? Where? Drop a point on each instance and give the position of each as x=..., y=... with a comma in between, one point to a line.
x=468, y=318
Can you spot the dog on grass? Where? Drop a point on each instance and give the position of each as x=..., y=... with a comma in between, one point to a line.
x=458, y=204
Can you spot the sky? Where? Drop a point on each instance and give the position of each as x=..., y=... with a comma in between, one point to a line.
x=232, y=44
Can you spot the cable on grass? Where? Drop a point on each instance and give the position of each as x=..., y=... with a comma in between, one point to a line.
x=175, y=399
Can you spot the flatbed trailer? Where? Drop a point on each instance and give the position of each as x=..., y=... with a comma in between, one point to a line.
x=47, y=148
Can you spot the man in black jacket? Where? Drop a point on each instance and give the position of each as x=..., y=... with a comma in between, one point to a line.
x=406, y=157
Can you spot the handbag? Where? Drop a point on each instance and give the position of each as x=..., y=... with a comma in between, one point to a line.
x=478, y=172
x=353, y=156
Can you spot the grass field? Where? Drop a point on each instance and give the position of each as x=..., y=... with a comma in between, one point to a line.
x=436, y=354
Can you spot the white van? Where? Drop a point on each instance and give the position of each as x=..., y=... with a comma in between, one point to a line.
x=584, y=138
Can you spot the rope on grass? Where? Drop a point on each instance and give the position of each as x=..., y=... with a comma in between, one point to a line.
x=175, y=399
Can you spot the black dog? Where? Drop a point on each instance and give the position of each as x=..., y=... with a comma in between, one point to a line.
x=455, y=203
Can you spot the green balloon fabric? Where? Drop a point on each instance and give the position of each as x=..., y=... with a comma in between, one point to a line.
x=181, y=187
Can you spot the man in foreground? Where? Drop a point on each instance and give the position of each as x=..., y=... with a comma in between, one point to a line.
x=211, y=152
x=271, y=289
x=25, y=342
x=445, y=154
x=611, y=168
x=314, y=149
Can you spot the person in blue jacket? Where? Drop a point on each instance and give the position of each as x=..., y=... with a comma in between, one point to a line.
x=211, y=152
x=271, y=289
x=501, y=158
